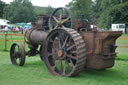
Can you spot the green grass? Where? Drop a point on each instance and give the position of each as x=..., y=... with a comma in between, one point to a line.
x=34, y=72
x=122, y=52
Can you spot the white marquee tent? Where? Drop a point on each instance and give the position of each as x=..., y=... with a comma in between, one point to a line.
x=3, y=22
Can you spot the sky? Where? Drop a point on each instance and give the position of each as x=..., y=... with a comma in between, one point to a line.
x=53, y=3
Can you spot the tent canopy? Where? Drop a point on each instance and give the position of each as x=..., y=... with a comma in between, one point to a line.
x=2, y=22
x=21, y=24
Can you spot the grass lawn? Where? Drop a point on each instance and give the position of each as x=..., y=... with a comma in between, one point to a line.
x=34, y=71
x=122, y=52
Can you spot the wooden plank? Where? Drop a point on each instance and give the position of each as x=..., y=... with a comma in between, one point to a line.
x=122, y=38
x=5, y=39
x=10, y=31
x=16, y=34
x=5, y=42
x=1, y=40
x=13, y=34
x=16, y=40
x=121, y=46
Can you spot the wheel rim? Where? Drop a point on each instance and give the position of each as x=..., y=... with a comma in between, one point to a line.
x=62, y=57
x=60, y=17
x=17, y=54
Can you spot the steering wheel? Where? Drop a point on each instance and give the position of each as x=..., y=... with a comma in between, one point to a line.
x=61, y=17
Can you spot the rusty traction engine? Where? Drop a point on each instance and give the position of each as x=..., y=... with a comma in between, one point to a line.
x=67, y=44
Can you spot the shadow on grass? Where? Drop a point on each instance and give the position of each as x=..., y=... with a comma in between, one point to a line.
x=121, y=59
x=114, y=74
x=4, y=50
x=107, y=75
x=34, y=64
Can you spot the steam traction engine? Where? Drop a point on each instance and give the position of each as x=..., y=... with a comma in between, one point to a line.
x=67, y=45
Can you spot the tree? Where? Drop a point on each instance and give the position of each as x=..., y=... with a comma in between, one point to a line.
x=19, y=11
x=101, y=12
x=80, y=7
x=110, y=11
x=49, y=10
x=119, y=13
x=2, y=5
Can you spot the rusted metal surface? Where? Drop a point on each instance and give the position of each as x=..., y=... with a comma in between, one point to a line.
x=104, y=53
x=41, y=23
x=36, y=36
x=37, y=33
x=81, y=25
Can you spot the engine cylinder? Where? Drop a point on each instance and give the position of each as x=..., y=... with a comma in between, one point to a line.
x=36, y=36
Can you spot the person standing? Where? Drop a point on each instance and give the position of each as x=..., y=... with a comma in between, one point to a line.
x=6, y=30
x=17, y=30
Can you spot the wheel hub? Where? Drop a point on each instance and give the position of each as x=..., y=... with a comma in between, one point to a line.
x=60, y=53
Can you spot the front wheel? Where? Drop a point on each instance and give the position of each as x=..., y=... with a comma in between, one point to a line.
x=17, y=54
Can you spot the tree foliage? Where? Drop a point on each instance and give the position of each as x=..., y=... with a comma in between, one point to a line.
x=110, y=11
x=2, y=5
x=19, y=11
x=104, y=12
x=43, y=10
x=80, y=7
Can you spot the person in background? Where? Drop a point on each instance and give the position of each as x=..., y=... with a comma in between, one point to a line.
x=21, y=29
x=25, y=29
x=17, y=30
x=14, y=29
x=6, y=30
x=2, y=29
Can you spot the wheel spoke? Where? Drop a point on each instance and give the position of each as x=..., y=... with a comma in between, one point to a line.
x=56, y=26
x=61, y=37
x=50, y=40
x=61, y=14
x=53, y=55
x=61, y=66
x=72, y=46
x=69, y=42
x=59, y=41
x=16, y=55
x=64, y=70
x=68, y=65
x=56, y=64
x=55, y=45
x=63, y=21
x=71, y=62
x=72, y=52
x=55, y=19
x=72, y=57
x=65, y=41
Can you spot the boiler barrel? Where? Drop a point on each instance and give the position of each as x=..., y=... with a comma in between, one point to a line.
x=36, y=36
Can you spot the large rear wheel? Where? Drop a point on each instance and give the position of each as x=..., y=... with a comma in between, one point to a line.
x=65, y=53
